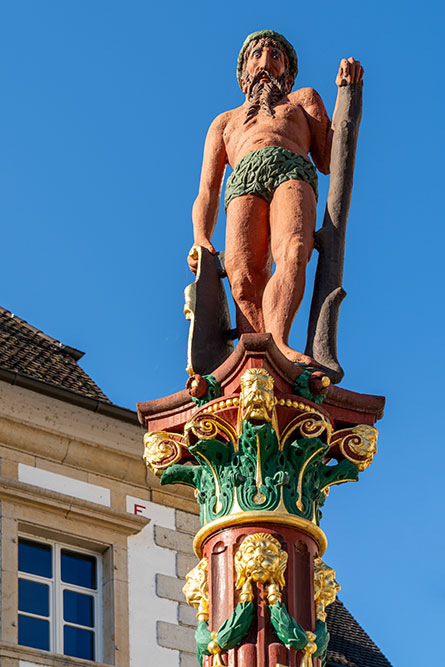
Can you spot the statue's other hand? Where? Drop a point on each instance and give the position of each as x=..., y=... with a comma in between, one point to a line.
x=350, y=71
x=192, y=257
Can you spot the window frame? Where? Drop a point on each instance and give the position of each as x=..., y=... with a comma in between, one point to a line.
x=56, y=589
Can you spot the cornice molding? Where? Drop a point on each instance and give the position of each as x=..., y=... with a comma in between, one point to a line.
x=73, y=452
x=20, y=493
x=68, y=396
x=44, y=658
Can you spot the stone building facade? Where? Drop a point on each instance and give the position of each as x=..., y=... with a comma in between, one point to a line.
x=93, y=551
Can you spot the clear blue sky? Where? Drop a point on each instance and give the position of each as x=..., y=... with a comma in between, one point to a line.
x=105, y=106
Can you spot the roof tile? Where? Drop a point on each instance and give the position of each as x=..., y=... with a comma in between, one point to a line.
x=28, y=351
x=349, y=644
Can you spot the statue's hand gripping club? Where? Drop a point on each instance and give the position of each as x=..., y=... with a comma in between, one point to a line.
x=350, y=71
x=192, y=257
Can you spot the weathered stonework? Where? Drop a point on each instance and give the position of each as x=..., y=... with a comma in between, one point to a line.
x=78, y=478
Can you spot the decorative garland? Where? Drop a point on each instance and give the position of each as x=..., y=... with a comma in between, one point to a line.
x=286, y=627
x=230, y=634
x=234, y=630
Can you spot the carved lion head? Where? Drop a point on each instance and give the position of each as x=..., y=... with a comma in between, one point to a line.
x=260, y=558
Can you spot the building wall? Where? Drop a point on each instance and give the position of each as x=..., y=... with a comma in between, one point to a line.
x=77, y=478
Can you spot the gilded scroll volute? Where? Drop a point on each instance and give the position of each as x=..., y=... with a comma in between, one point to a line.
x=357, y=444
x=162, y=449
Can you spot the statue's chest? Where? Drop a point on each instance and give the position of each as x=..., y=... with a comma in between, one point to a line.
x=286, y=117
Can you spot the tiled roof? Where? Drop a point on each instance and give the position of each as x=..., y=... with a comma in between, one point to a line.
x=29, y=352
x=349, y=644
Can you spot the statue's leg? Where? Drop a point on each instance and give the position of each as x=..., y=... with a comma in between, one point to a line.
x=248, y=259
x=292, y=225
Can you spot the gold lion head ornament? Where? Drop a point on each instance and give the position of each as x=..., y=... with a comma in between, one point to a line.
x=260, y=558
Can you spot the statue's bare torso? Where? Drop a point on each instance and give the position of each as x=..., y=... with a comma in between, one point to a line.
x=300, y=124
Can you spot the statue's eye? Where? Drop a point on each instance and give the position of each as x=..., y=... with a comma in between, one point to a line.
x=276, y=55
x=256, y=53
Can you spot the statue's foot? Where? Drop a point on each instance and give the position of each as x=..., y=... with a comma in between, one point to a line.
x=298, y=357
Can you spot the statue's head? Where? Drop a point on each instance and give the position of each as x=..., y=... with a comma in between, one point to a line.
x=274, y=40
x=256, y=400
x=260, y=558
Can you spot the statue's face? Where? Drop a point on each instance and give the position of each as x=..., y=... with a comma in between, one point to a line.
x=266, y=56
x=257, y=399
x=261, y=558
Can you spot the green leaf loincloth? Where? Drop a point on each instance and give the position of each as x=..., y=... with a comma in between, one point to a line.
x=261, y=172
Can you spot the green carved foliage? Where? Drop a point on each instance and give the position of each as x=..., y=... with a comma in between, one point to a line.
x=217, y=485
x=235, y=628
x=344, y=471
x=258, y=463
x=301, y=388
x=230, y=634
x=213, y=391
x=214, y=451
x=286, y=627
x=304, y=457
x=260, y=473
x=202, y=637
x=322, y=641
x=182, y=474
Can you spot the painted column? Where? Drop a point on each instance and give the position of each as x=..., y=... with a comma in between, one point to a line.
x=261, y=452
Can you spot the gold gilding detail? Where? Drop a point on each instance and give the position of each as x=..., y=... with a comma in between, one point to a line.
x=258, y=498
x=193, y=252
x=299, y=503
x=190, y=306
x=242, y=518
x=309, y=426
x=260, y=558
x=215, y=649
x=309, y=650
x=357, y=444
x=206, y=427
x=325, y=588
x=162, y=446
x=196, y=589
x=256, y=399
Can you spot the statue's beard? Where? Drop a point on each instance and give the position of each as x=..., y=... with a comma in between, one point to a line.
x=264, y=94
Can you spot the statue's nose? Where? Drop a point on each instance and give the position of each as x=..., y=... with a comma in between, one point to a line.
x=265, y=60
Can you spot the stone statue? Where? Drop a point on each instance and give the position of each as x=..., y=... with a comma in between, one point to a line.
x=271, y=196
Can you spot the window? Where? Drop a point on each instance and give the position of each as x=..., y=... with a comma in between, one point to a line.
x=59, y=599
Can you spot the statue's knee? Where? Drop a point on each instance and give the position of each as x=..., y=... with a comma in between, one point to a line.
x=243, y=287
x=293, y=252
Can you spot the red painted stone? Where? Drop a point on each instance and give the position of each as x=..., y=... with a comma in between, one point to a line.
x=261, y=646
x=343, y=409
